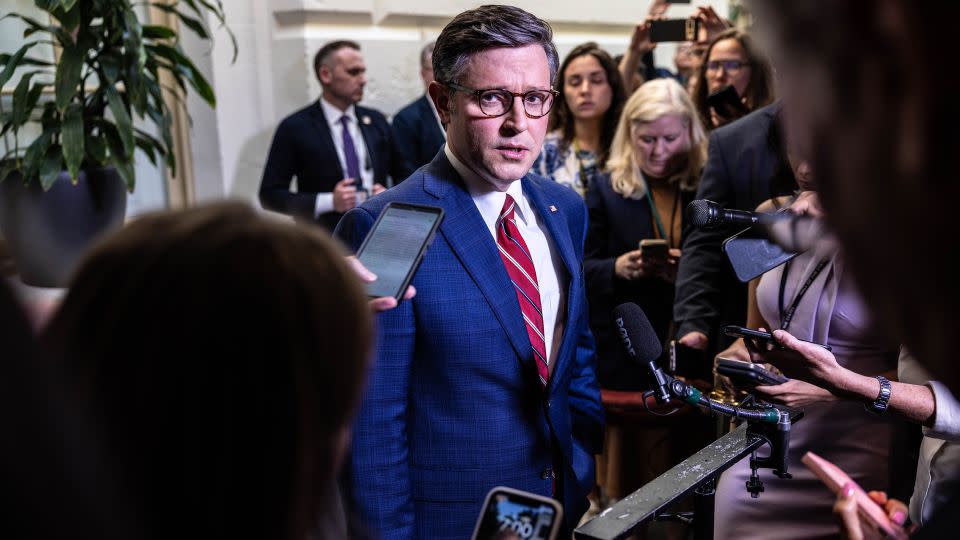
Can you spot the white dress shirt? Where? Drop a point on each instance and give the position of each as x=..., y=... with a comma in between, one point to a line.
x=333, y=115
x=546, y=258
x=939, y=461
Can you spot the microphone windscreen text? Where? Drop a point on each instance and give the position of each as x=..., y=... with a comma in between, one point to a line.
x=637, y=336
x=641, y=344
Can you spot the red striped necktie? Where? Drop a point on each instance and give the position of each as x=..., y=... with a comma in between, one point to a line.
x=516, y=257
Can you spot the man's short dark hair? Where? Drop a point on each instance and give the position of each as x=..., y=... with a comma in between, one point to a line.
x=323, y=55
x=489, y=27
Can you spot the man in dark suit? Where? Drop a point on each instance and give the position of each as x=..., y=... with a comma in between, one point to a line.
x=746, y=165
x=417, y=128
x=338, y=151
x=486, y=376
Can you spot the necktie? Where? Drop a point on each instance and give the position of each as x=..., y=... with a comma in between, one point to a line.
x=516, y=258
x=350, y=152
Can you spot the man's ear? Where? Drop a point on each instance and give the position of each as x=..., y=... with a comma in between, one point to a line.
x=324, y=75
x=442, y=98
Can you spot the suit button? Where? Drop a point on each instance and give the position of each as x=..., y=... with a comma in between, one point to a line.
x=546, y=474
x=549, y=403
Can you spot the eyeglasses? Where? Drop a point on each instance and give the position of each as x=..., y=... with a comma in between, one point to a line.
x=498, y=102
x=730, y=66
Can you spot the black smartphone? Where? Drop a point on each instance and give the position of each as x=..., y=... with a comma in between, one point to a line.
x=688, y=362
x=751, y=256
x=510, y=514
x=395, y=246
x=764, y=338
x=654, y=248
x=726, y=103
x=674, y=30
x=747, y=374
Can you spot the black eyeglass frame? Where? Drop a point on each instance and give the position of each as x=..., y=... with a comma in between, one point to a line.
x=513, y=97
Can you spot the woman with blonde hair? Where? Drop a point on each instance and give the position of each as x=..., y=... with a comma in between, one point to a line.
x=658, y=151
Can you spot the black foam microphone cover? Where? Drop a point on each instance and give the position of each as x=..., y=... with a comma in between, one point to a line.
x=637, y=336
x=702, y=213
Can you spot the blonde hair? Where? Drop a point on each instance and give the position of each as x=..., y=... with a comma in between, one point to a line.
x=653, y=100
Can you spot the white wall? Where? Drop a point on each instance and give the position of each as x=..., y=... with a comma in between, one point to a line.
x=273, y=75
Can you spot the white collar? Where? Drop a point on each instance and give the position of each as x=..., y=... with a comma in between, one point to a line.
x=489, y=200
x=333, y=114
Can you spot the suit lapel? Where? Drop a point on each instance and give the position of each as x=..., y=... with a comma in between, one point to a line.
x=467, y=235
x=367, y=131
x=559, y=231
x=319, y=122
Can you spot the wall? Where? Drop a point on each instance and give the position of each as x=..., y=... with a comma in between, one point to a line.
x=273, y=74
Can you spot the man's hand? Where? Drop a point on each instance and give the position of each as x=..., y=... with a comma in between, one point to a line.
x=344, y=195
x=695, y=340
x=640, y=43
x=378, y=189
x=384, y=302
x=710, y=22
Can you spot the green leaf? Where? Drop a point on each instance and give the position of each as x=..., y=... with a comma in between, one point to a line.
x=147, y=149
x=110, y=65
x=51, y=166
x=20, y=111
x=34, y=155
x=152, y=31
x=194, y=24
x=122, y=119
x=72, y=137
x=68, y=75
x=124, y=165
x=68, y=17
x=186, y=68
x=47, y=5
x=34, y=96
x=67, y=4
x=14, y=62
x=25, y=61
x=97, y=148
x=7, y=166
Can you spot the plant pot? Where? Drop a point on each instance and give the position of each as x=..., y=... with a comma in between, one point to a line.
x=49, y=231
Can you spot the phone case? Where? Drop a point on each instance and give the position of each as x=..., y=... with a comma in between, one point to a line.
x=748, y=373
x=751, y=256
x=528, y=526
x=836, y=479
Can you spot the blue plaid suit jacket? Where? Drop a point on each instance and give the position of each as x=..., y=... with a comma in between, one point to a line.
x=453, y=406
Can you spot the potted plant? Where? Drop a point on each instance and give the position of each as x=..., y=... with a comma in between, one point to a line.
x=59, y=190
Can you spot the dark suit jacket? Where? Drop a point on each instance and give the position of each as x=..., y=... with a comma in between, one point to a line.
x=417, y=133
x=745, y=166
x=617, y=225
x=303, y=147
x=453, y=407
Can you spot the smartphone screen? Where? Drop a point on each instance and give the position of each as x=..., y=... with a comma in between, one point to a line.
x=396, y=244
x=509, y=514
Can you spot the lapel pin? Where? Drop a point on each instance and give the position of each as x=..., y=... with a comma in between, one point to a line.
x=553, y=208
x=366, y=120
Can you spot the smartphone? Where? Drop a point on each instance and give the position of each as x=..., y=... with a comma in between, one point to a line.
x=510, y=514
x=752, y=256
x=747, y=374
x=869, y=510
x=688, y=362
x=674, y=30
x=654, y=248
x=726, y=103
x=395, y=246
x=765, y=338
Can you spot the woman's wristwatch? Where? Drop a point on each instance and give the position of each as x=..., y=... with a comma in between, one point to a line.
x=879, y=406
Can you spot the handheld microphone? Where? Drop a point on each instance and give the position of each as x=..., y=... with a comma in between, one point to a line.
x=706, y=214
x=642, y=345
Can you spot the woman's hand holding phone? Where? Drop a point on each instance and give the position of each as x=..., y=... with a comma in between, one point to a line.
x=633, y=265
x=853, y=527
x=802, y=360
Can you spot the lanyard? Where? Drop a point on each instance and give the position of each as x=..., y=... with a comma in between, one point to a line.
x=653, y=208
x=788, y=317
x=584, y=180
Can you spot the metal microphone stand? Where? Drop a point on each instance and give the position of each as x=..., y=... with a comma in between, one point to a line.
x=766, y=425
